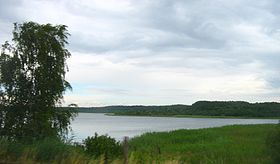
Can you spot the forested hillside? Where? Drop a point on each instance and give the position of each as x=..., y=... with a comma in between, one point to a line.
x=203, y=108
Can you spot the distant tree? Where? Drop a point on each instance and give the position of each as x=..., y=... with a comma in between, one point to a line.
x=72, y=105
x=32, y=82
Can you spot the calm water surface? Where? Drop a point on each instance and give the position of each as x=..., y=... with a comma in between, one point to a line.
x=86, y=124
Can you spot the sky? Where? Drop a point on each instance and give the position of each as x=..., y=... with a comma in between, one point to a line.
x=158, y=52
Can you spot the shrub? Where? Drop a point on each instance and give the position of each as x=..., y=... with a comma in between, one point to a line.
x=97, y=146
x=49, y=150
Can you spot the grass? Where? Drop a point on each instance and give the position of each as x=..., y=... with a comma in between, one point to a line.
x=45, y=151
x=229, y=144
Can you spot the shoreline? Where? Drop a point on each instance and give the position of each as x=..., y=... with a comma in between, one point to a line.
x=190, y=116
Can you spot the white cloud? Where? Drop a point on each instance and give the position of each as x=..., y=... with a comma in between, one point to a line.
x=162, y=52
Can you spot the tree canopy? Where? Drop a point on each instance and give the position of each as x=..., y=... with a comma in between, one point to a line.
x=32, y=82
x=202, y=108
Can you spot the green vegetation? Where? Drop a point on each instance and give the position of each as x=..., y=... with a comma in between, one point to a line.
x=102, y=145
x=198, y=109
x=229, y=144
x=138, y=110
x=97, y=149
x=41, y=151
x=47, y=151
x=273, y=142
x=32, y=83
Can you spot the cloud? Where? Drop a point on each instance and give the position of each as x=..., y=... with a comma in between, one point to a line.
x=162, y=52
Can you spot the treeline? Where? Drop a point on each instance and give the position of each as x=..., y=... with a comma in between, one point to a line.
x=203, y=108
x=236, y=108
x=137, y=109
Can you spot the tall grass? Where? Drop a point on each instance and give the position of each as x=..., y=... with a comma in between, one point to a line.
x=45, y=151
x=273, y=142
x=229, y=144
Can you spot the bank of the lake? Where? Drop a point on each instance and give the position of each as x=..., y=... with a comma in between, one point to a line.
x=229, y=144
x=189, y=116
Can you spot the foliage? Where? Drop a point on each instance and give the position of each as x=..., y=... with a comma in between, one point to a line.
x=48, y=150
x=32, y=82
x=102, y=145
x=229, y=144
x=236, y=108
x=200, y=108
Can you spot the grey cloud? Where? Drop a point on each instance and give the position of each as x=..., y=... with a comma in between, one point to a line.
x=166, y=24
x=274, y=82
x=8, y=15
x=8, y=10
x=155, y=26
x=199, y=35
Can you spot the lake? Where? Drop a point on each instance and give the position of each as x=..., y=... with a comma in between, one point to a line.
x=86, y=124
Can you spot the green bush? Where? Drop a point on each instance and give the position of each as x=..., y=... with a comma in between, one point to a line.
x=9, y=149
x=49, y=148
x=97, y=146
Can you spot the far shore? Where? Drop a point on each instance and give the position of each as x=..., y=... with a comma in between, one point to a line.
x=190, y=116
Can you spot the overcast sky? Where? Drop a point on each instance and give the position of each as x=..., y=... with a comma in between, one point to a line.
x=127, y=52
